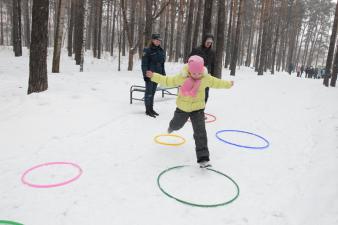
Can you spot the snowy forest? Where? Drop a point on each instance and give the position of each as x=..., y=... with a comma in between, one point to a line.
x=269, y=35
x=91, y=133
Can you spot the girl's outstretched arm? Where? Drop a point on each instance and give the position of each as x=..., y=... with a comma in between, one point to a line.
x=166, y=81
x=214, y=82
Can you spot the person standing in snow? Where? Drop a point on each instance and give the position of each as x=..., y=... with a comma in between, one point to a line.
x=190, y=102
x=153, y=59
x=298, y=70
x=208, y=54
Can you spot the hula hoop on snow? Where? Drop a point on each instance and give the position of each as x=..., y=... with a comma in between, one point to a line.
x=169, y=135
x=213, y=118
x=197, y=204
x=243, y=146
x=206, y=116
x=9, y=222
x=23, y=179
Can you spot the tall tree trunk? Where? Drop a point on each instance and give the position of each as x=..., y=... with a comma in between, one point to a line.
x=95, y=6
x=179, y=28
x=220, y=39
x=107, y=26
x=313, y=44
x=148, y=27
x=129, y=28
x=162, y=24
x=264, y=48
x=71, y=28
x=166, y=30
x=1, y=26
x=79, y=26
x=113, y=31
x=331, y=49
x=90, y=25
x=99, y=41
x=58, y=37
x=228, y=44
x=259, y=41
x=84, y=31
x=300, y=45
x=207, y=17
x=119, y=23
x=334, y=69
x=197, y=24
x=251, y=38
x=275, y=45
x=236, y=43
x=9, y=22
x=187, y=46
x=17, y=45
x=306, y=47
x=172, y=29
x=27, y=28
x=38, y=80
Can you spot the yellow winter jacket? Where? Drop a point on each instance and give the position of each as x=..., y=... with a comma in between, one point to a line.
x=189, y=103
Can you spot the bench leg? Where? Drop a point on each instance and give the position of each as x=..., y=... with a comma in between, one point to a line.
x=131, y=97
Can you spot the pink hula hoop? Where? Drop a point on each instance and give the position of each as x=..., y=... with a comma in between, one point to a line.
x=212, y=116
x=208, y=115
x=23, y=180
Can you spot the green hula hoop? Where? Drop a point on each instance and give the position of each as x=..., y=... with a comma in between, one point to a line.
x=196, y=204
x=9, y=222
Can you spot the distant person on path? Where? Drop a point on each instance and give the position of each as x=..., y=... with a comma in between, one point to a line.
x=208, y=54
x=153, y=59
x=190, y=102
x=301, y=70
x=298, y=70
x=307, y=72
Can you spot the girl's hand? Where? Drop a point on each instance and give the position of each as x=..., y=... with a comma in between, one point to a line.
x=149, y=74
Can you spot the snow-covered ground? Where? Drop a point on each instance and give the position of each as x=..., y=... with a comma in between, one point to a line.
x=86, y=118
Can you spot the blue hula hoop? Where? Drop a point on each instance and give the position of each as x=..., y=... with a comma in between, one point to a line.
x=243, y=146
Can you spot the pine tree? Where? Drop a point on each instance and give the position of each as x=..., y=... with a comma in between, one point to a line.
x=1, y=26
x=207, y=17
x=220, y=39
x=17, y=45
x=58, y=35
x=27, y=30
x=78, y=30
x=236, y=43
x=71, y=19
x=331, y=49
x=38, y=80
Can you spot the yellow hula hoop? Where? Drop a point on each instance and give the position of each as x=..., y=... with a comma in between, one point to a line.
x=169, y=135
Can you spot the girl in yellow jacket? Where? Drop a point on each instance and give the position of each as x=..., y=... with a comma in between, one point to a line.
x=193, y=79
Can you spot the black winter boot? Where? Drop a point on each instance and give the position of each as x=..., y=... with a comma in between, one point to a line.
x=149, y=112
x=153, y=111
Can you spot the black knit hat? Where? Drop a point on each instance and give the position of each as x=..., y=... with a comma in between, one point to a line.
x=156, y=37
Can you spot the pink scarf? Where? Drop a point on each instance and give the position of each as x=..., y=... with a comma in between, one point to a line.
x=190, y=87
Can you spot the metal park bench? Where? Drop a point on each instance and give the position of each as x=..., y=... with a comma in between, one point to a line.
x=138, y=88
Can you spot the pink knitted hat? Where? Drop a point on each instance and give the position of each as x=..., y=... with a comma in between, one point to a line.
x=195, y=64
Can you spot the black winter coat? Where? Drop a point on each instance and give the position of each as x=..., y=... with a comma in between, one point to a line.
x=207, y=54
x=153, y=59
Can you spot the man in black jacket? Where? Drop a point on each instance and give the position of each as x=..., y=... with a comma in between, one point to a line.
x=208, y=54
